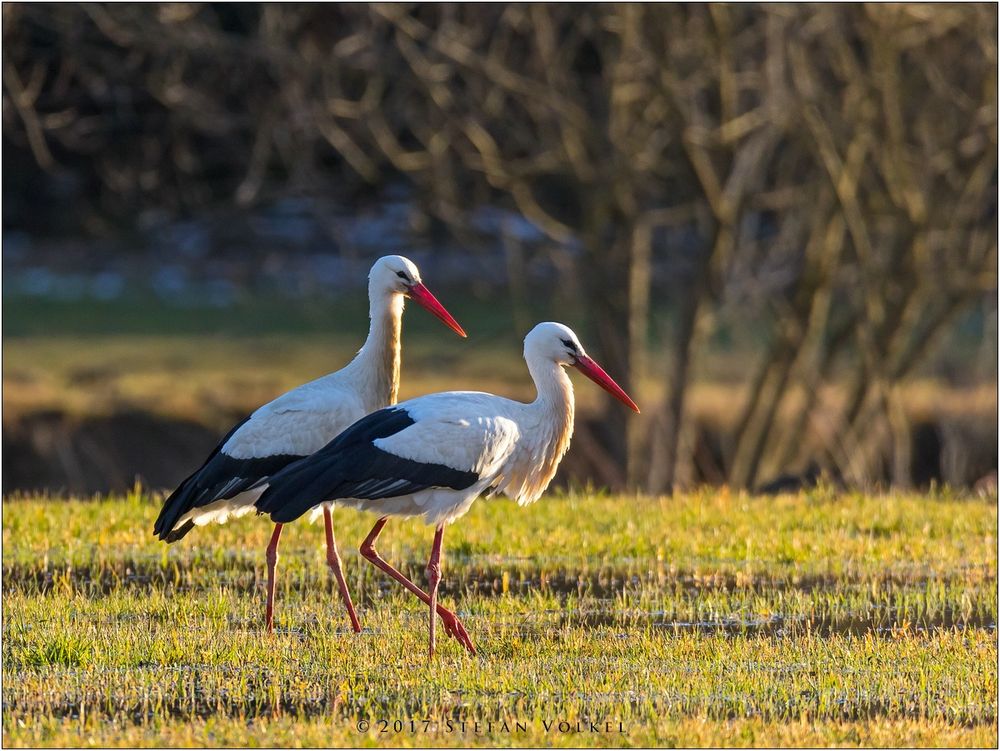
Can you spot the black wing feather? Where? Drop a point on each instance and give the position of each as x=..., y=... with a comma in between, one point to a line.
x=221, y=476
x=351, y=466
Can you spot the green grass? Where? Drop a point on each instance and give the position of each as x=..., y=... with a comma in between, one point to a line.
x=707, y=619
x=209, y=364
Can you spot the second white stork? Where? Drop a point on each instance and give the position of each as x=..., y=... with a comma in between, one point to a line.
x=302, y=421
x=434, y=455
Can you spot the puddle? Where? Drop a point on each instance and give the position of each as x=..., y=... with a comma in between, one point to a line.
x=594, y=599
x=884, y=622
x=887, y=622
x=261, y=696
x=605, y=582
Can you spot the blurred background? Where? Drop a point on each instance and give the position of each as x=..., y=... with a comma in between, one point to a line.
x=775, y=225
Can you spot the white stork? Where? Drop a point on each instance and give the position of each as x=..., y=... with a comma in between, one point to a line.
x=302, y=421
x=434, y=455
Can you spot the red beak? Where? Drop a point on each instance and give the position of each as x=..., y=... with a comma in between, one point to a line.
x=423, y=297
x=596, y=373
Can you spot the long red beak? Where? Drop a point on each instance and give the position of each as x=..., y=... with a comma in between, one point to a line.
x=423, y=297
x=596, y=373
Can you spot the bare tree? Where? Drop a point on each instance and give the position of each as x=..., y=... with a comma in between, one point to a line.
x=834, y=169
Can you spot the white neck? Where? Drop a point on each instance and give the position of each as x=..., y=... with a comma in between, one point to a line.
x=375, y=369
x=552, y=428
x=555, y=390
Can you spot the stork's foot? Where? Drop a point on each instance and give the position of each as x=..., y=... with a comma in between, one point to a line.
x=454, y=628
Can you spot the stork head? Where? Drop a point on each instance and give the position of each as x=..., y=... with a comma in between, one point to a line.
x=557, y=343
x=392, y=275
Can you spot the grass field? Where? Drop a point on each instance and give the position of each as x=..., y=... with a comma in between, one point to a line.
x=706, y=619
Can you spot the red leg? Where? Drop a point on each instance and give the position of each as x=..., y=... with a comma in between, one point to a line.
x=333, y=561
x=272, y=560
x=433, y=579
x=452, y=626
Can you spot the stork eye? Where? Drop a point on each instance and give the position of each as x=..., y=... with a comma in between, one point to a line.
x=569, y=344
x=402, y=275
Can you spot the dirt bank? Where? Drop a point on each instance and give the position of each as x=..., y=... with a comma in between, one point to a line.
x=57, y=452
